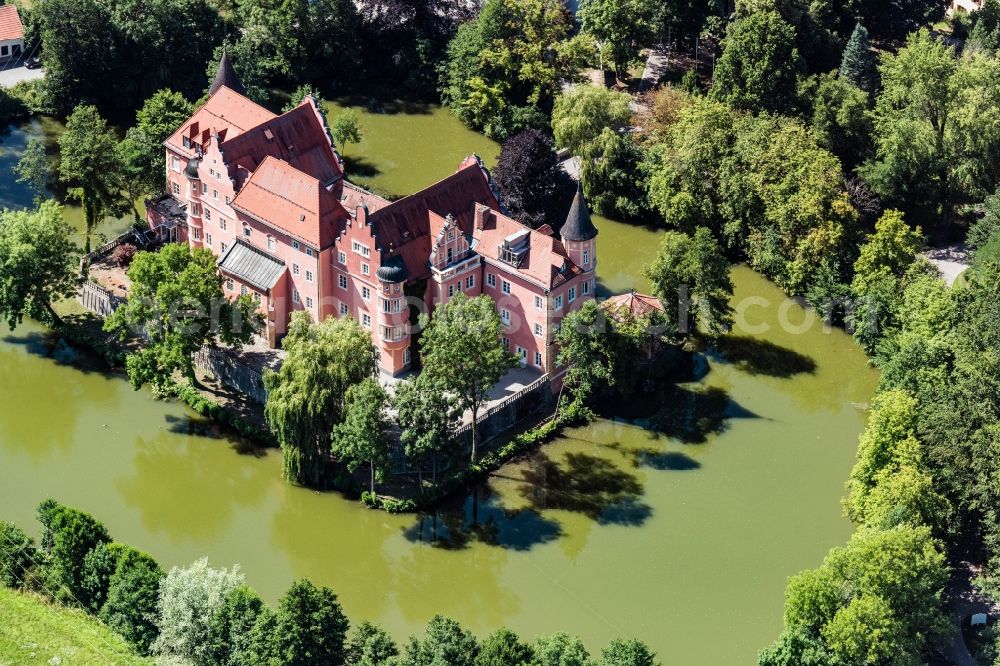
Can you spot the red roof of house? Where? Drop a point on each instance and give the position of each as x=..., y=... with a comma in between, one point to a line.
x=227, y=113
x=10, y=23
x=404, y=225
x=288, y=199
x=640, y=305
x=297, y=137
x=545, y=261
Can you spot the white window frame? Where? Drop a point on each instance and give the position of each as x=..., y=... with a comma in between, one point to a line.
x=491, y=280
x=505, y=286
x=342, y=281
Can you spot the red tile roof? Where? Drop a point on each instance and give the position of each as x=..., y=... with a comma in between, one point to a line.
x=355, y=196
x=280, y=195
x=640, y=305
x=297, y=137
x=10, y=23
x=404, y=226
x=227, y=113
x=545, y=261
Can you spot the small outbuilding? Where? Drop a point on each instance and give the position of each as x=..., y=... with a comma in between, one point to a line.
x=640, y=307
x=11, y=33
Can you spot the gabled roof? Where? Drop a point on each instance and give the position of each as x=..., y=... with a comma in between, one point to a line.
x=10, y=23
x=404, y=225
x=545, y=261
x=639, y=305
x=578, y=226
x=355, y=196
x=226, y=113
x=225, y=75
x=283, y=197
x=297, y=137
x=252, y=265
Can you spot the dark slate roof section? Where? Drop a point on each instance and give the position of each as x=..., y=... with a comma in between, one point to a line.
x=252, y=265
x=226, y=76
x=393, y=270
x=578, y=226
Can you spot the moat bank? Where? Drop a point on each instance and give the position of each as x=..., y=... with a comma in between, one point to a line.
x=683, y=538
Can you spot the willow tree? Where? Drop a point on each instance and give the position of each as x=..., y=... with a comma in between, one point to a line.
x=305, y=398
x=463, y=354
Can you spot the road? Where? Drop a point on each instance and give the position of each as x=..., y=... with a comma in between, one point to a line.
x=11, y=76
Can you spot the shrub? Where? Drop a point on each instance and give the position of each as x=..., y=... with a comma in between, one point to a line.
x=132, y=596
x=17, y=555
x=123, y=254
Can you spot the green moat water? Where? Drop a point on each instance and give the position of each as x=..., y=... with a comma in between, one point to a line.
x=683, y=537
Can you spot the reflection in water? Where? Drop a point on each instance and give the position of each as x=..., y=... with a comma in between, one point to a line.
x=762, y=357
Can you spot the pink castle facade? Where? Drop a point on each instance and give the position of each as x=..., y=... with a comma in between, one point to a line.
x=267, y=195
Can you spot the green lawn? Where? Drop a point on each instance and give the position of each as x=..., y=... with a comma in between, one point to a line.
x=34, y=632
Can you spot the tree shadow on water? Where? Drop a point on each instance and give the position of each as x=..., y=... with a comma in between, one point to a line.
x=663, y=461
x=587, y=485
x=761, y=357
x=480, y=518
x=692, y=415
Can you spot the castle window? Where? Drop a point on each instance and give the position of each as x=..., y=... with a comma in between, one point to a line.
x=491, y=280
x=175, y=163
x=558, y=303
x=295, y=269
x=505, y=317
x=246, y=230
x=341, y=257
x=309, y=252
x=586, y=257
x=295, y=295
x=538, y=359
x=538, y=302
x=309, y=302
x=586, y=287
x=572, y=294
x=363, y=250
x=366, y=320
x=270, y=243
x=451, y=290
x=243, y=290
x=343, y=308
x=295, y=245
x=366, y=293
x=208, y=239
x=538, y=329
x=364, y=269
x=309, y=276
x=208, y=214
x=470, y=282
x=186, y=141
x=342, y=281
x=506, y=343
x=229, y=284
x=222, y=247
x=222, y=223
x=176, y=188
x=505, y=287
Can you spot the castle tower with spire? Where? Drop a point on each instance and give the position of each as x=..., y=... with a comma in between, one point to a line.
x=226, y=76
x=579, y=234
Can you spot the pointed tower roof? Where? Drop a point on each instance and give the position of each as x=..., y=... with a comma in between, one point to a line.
x=578, y=226
x=225, y=75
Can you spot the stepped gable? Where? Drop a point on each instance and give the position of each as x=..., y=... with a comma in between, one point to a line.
x=295, y=202
x=297, y=137
x=226, y=113
x=404, y=226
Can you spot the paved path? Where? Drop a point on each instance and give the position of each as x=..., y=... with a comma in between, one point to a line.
x=656, y=66
x=11, y=76
x=965, y=601
x=951, y=260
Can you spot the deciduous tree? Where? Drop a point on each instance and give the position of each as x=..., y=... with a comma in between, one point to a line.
x=624, y=27
x=371, y=645
x=38, y=263
x=444, y=642
x=176, y=297
x=89, y=163
x=463, y=354
x=759, y=67
x=68, y=534
x=305, y=398
x=504, y=648
x=132, y=595
x=533, y=186
x=361, y=437
x=428, y=417
x=189, y=599
x=581, y=114
x=690, y=275
x=346, y=128
x=310, y=627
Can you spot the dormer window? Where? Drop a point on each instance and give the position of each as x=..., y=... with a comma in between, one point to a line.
x=186, y=141
x=246, y=231
x=270, y=243
x=514, y=248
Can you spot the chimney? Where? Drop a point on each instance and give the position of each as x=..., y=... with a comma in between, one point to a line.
x=482, y=212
